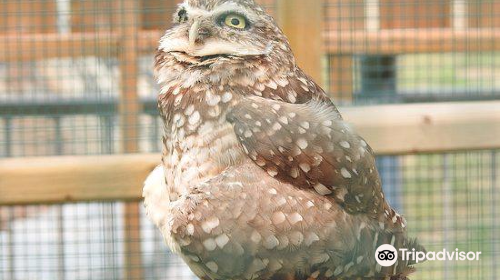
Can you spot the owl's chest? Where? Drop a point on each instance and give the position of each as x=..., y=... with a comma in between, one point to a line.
x=195, y=156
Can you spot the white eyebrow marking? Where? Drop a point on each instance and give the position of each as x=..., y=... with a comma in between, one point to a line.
x=195, y=12
x=231, y=7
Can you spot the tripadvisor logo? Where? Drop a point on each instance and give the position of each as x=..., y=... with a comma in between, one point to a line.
x=386, y=255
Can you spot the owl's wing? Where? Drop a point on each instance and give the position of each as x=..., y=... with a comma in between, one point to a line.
x=310, y=146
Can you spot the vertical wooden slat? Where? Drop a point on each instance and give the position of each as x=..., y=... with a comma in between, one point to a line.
x=342, y=17
x=340, y=78
x=129, y=108
x=133, y=251
x=302, y=22
x=128, y=26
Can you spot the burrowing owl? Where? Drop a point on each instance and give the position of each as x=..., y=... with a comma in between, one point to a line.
x=261, y=178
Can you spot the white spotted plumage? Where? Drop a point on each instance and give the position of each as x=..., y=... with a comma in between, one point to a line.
x=260, y=176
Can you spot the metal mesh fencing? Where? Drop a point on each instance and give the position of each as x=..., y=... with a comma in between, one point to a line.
x=450, y=201
x=76, y=79
x=386, y=51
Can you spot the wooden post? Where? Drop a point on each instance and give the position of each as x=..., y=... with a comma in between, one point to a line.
x=302, y=21
x=133, y=251
x=129, y=108
x=340, y=80
x=342, y=17
x=128, y=26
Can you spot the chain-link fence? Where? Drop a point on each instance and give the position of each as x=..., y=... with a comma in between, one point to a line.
x=76, y=79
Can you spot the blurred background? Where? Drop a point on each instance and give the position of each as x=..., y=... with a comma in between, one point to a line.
x=78, y=97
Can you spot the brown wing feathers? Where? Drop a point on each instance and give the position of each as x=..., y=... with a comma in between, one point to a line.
x=309, y=146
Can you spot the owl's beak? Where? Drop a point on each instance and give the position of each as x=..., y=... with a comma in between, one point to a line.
x=194, y=33
x=197, y=33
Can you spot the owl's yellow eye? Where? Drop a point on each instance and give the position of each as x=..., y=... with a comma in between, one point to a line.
x=235, y=21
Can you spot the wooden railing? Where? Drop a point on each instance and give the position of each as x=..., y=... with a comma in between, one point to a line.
x=390, y=129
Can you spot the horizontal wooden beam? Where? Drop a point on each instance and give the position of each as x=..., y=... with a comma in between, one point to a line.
x=389, y=129
x=427, y=128
x=74, y=178
x=402, y=41
x=29, y=47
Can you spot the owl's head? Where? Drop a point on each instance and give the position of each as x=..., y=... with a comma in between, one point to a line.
x=220, y=33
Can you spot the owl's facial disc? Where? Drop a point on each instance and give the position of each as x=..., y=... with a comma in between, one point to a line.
x=204, y=36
